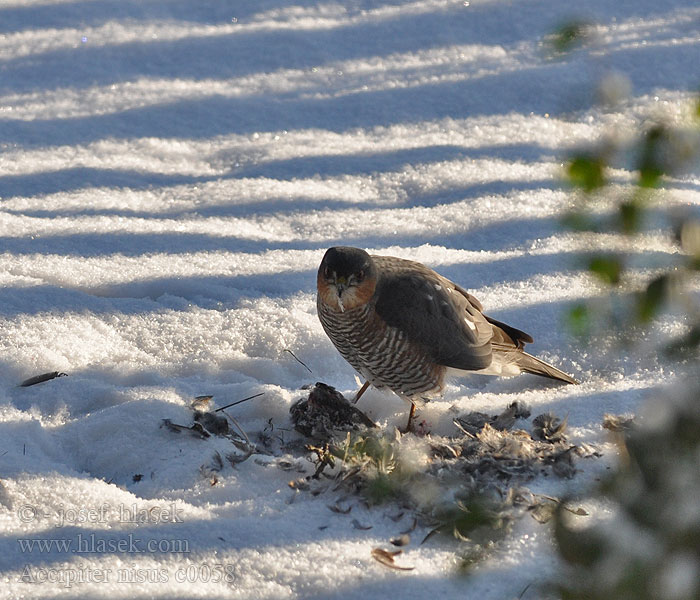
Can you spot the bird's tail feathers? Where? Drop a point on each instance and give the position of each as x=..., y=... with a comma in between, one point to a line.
x=536, y=366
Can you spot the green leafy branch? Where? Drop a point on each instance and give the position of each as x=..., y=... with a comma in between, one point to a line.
x=658, y=152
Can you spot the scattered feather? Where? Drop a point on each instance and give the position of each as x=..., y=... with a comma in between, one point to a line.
x=42, y=378
x=617, y=423
x=287, y=465
x=549, y=428
x=579, y=512
x=563, y=463
x=213, y=468
x=544, y=508
x=201, y=402
x=235, y=459
x=210, y=423
x=197, y=430
x=473, y=422
x=403, y=540
x=386, y=558
x=299, y=484
x=514, y=411
x=444, y=449
x=467, y=486
x=543, y=511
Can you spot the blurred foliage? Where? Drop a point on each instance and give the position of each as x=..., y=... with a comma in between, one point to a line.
x=568, y=36
x=659, y=151
x=586, y=172
x=607, y=268
x=650, y=546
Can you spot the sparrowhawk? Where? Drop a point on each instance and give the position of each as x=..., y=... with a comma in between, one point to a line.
x=404, y=327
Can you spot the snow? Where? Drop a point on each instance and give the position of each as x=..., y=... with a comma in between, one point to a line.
x=170, y=176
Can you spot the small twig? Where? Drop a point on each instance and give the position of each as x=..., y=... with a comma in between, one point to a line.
x=239, y=401
x=244, y=435
x=302, y=363
x=246, y=446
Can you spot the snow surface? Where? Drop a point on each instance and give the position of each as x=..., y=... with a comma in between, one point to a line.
x=171, y=173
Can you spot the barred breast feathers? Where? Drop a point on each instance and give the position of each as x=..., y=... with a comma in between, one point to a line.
x=384, y=355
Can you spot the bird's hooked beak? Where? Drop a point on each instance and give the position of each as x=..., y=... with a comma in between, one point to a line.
x=341, y=284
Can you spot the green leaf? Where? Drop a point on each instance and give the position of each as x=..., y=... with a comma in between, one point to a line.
x=579, y=320
x=586, y=172
x=650, y=165
x=651, y=300
x=631, y=213
x=607, y=268
x=649, y=176
x=569, y=35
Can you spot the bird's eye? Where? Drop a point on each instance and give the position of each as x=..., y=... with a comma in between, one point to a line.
x=360, y=275
x=326, y=272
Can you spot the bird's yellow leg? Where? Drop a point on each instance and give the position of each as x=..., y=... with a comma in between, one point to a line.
x=361, y=391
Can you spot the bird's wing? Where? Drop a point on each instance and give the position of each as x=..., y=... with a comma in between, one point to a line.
x=507, y=335
x=431, y=311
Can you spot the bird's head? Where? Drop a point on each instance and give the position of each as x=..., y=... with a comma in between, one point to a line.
x=347, y=278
